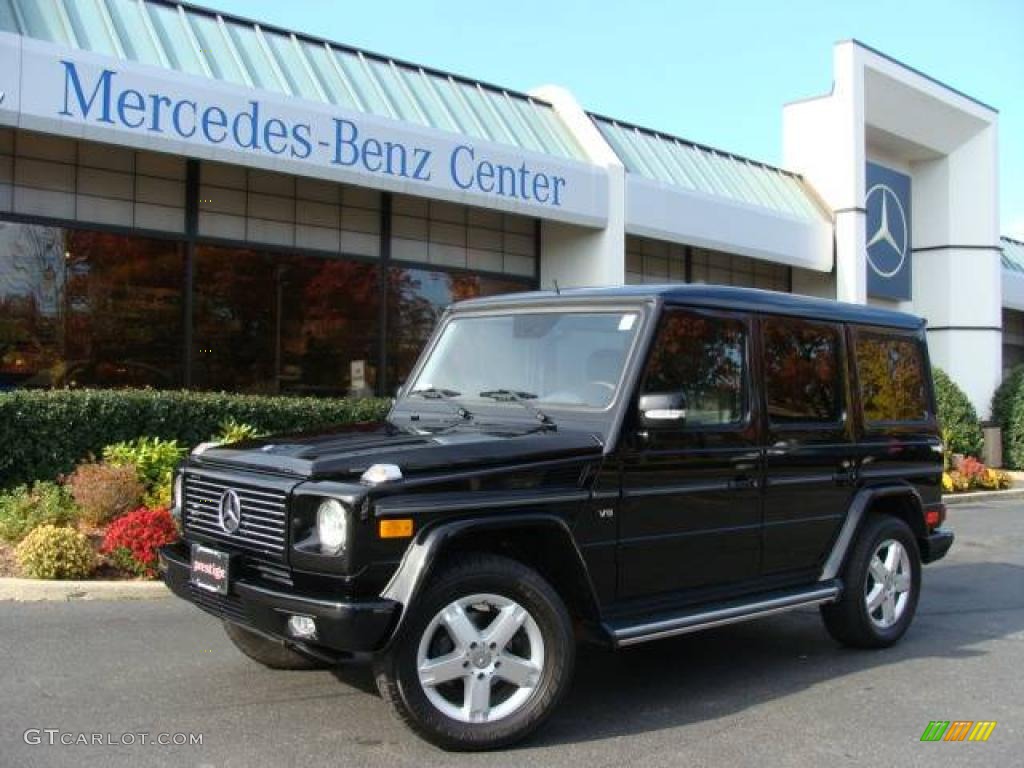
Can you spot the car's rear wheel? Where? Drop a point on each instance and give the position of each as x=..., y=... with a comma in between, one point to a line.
x=270, y=653
x=882, y=582
x=483, y=658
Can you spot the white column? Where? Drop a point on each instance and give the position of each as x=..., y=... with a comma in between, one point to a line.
x=957, y=267
x=577, y=256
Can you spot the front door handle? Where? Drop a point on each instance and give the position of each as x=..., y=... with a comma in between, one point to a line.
x=743, y=483
x=845, y=476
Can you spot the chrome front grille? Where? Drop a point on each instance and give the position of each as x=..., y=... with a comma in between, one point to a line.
x=262, y=525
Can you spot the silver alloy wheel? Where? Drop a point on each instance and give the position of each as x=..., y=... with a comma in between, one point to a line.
x=888, y=583
x=480, y=658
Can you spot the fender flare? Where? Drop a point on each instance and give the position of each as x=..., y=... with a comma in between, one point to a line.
x=854, y=516
x=422, y=555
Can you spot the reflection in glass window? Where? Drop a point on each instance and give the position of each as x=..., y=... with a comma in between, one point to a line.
x=416, y=300
x=801, y=371
x=891, y=373
x=83, y=308
x=704, y=358
x=271, y=323
x=572, y=359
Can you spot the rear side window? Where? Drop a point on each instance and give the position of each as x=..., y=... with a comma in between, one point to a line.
x=892, y=379
x=801, y=371
x=704, y=357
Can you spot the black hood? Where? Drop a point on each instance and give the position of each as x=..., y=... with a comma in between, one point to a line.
x=346, y=452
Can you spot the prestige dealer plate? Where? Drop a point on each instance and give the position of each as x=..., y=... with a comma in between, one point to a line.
x=210, y=569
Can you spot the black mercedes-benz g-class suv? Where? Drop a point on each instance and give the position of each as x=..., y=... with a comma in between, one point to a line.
x=612, y=465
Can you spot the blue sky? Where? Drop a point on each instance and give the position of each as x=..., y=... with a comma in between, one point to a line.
x=715, y=72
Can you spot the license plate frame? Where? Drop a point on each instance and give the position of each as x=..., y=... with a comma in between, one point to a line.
x=214, y=573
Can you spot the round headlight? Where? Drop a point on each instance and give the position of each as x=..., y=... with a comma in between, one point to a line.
x=177, y=501
x=331, y=525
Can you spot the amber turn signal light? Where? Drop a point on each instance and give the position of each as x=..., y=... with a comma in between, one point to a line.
x=398, y=528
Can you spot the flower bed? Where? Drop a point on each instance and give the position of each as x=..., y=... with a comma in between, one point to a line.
x=966, y=473
x=93, y=468
x=106, y=519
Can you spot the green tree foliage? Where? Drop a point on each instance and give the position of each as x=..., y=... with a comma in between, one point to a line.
x=960, y=426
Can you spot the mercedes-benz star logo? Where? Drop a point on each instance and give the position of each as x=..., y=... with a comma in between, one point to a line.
x=230, y=511
x=887, y=247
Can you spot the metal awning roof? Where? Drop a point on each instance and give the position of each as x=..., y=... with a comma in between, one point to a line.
x=710, y=171
x=202, y=42
x=1013, y=255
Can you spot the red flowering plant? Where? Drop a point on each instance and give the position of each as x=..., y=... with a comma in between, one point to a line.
x=131, y=541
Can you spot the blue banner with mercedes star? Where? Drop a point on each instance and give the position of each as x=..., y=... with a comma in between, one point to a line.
x=888, y=233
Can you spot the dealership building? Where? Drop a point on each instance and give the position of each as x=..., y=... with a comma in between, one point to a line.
x=190, y=199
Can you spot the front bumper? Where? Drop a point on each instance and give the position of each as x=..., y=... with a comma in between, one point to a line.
x=343, y=628
x=936, y=545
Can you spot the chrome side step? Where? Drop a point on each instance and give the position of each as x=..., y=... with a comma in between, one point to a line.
x=681, y=623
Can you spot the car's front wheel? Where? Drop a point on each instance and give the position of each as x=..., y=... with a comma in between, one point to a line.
x=483, y=658
x=881, y=582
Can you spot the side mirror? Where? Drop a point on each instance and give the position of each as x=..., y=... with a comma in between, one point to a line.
x=663, y=409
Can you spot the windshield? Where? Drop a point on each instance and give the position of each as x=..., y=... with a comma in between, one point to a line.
x=560, y=359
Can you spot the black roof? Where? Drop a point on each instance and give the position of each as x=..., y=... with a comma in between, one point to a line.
x=717, y=296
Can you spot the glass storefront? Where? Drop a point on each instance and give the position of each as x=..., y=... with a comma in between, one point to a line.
x=81, y=307
x=273, y=323
x=85, y=308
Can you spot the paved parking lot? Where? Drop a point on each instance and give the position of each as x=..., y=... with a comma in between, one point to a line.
x=777, y=692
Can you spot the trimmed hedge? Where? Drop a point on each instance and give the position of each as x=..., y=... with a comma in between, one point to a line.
x=1008, y=413
x=959, y=420
x=45, y=433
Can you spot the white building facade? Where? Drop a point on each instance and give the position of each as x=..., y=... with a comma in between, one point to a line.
x=189, y=199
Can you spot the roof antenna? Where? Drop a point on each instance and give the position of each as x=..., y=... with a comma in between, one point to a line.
x=558, y=291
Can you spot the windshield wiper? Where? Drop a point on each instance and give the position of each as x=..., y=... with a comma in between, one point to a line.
x=523, y=399
x=446, y=396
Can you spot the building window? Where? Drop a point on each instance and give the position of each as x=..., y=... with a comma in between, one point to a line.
x=275, y=209
x=654, y=261
x=657, y=261
x=283, y=324
x=704, y=357
x=801, y=371
x=1013, y=339
x=89, y=309
x=450, y=235
x=718, y=268
x=892, y=385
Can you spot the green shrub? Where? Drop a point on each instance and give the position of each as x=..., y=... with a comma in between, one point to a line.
x=1008, y=413
x=48, y=432
x=154, y=459
x=232, y=431
x=26, y=508
x=104, y=491
x=960, y=426
x=50, y=552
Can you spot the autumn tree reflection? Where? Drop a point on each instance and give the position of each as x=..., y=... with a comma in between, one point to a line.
x=703, y=357
x=891, y=378
x=801, y=371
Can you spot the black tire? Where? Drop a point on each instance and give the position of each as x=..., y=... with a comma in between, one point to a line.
x=270, y=653
x=849, y=621
x=473, y=574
